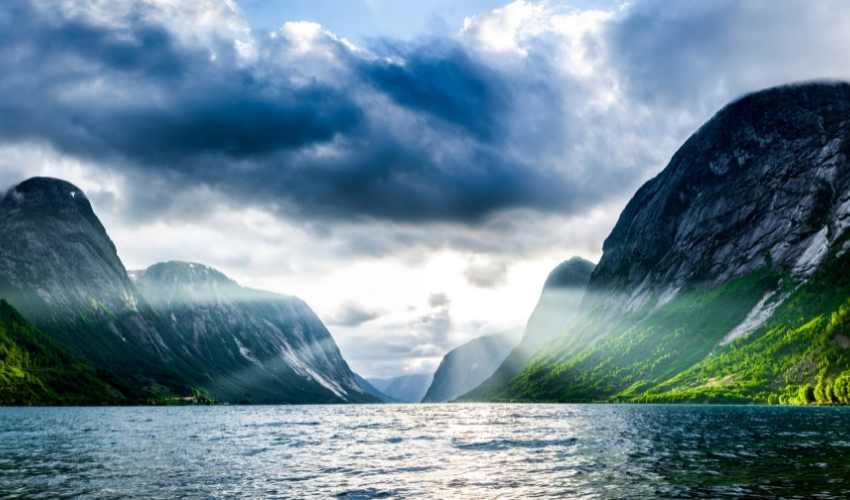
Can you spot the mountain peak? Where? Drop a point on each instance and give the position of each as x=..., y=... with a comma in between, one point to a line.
x=46, y=192
x=47, y=195
x=572, y=273
x=188, y=282
x=186, y=272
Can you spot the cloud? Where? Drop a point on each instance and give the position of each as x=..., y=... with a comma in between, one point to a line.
x=437, y=300
x=300, y=122
x=680, y=55
x=439, y=78
x=534, y=106
x=404, y=342
x=487, y=274
x=352, y=314
x=134, y=92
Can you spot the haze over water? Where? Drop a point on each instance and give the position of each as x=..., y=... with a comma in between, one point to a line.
x=426, y=451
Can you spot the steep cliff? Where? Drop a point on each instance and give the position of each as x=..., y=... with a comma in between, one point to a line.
x=193, y=330
x=726, y=277
x=59, y=268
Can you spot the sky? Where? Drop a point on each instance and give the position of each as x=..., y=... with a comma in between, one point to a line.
x=412, y=170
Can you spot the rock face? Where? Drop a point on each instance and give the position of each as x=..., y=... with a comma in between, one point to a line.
x=465, y=367
x=404, y=388
x=256, y=346
x=179, y=328
x=59, y=268
x=559, y=303
x=726, y=276
x=763, y=184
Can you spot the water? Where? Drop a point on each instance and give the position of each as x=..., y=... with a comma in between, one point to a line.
x=426, y=451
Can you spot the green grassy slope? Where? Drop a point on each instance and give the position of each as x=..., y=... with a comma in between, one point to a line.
x=801, y=354
x=35, y=371
x=671, y=353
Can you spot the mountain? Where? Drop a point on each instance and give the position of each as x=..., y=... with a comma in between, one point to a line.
x=59, y=268
x=405, y=388
x=559, y=302
x=727, y=276
x=372, y=390
x=36, y=371
x=253, y=346
x=465, y=367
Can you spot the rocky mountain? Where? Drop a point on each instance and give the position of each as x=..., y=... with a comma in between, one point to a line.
x=559, y=303
x=254, y=346
x=36, y=371
x=59, y=268
x=467, y=366
x=404, y=388
x=727, y=276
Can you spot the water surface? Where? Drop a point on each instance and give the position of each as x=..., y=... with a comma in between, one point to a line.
x=426, y=451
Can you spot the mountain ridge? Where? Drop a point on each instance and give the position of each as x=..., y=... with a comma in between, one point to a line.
x=560, y=299
x=270, y=328
x=725, y=276
x=467, y=366
x=410, y=388
x=61, y=270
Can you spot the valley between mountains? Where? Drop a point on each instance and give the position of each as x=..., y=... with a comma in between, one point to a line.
x=725, y=279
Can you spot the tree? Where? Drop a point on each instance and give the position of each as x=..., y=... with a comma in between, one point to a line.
x=820, y=392
x=841, y=388
x=806, y=394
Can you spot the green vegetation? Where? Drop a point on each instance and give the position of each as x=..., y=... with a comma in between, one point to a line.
x=672, y=353
x=164, y=397
x=800, y=356
x=36, y=371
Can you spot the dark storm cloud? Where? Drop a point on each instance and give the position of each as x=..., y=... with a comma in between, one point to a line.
x=139, y=47
x=132, y=96
x=440, y=79
x=429, y=131
x=163, y=103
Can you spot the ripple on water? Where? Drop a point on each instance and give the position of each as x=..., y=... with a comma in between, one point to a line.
x=502, y=444
x=427, y=451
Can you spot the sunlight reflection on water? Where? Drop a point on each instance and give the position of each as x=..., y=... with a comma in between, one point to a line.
x=426, y=451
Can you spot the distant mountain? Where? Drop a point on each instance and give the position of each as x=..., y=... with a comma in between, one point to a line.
x=727, y=276
x=255, y=346
x=405, y=388
x=372, y=390
x=191, y=331
x=36, y=371
x=465, y=367
x=559, y=303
